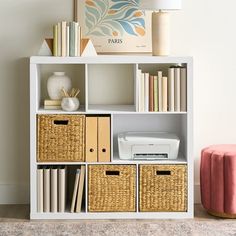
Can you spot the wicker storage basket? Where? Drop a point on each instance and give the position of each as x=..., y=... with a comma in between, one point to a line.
x=163, y=188
x=60, y=138
x=112, y=188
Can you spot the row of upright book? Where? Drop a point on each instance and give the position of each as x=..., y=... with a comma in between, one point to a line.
x=66, y=39
x=53, y=189
x=159, y=93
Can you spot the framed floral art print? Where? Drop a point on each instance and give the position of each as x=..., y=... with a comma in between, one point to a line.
x=115, y=26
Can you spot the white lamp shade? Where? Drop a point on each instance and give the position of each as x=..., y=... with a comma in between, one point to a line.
x=160, y=4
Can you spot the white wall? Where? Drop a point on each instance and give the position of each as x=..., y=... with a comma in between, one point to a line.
x=202, y=29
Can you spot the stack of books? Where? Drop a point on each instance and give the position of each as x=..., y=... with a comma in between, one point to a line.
x=76, y=203
x=51, y=189
x=52, y=104
x=66, y=39
x=158, y=93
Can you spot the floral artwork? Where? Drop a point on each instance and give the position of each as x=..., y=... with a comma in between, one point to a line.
x=116, y=25
x=114, y=18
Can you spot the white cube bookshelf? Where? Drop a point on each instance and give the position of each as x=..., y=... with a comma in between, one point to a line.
x=108, y=86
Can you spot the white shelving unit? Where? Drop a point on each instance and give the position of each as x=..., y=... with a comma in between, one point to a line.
x=108, y=86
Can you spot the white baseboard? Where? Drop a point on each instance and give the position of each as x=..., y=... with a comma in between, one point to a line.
x=19, y=194
x=14, y=194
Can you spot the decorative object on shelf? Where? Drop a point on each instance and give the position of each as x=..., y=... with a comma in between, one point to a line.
x=56, y=82
x=115, y=26
x=87, y=48
x=160, y=23
x=148, y=146
x=46, y=48
x=70, y=102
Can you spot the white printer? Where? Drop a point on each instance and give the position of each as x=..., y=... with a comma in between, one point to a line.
x=148, y=145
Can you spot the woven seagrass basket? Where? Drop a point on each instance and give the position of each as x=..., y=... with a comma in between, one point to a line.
x=163, y=188
x=60, y=138
x=112, y=188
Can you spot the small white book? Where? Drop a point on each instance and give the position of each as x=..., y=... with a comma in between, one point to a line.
x=79, y=41
x=39, y=190
x=63, y=38
x=183, y=89
x=164, y=94
x=146, y=93
x=142, y=91
x=67, y=41
x=59, y=39
x=54, y=189
x=46, y=189
x=76, y=38
x=80, y=190
x=77, y=176
x=139, y=89
x=61, y=189
x=177, y=89
x=160, y=103
x=171, y=89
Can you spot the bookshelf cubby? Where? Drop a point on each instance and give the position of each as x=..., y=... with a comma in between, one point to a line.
x=108, y=86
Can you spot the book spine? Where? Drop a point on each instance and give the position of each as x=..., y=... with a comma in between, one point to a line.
x=59, y=39
x=46, y=189
x=164, y=94
x=54, y=190
x=155, y=86
x=139, y=84
x=151, y=91
x=76, y=38
x=171, y=89
x=52, y=102
x=142, y=92
x=63, y=38
x=79, y=42
x=67, y=41
x=55, y=33
x=71, y=39
x=159, y=75
x=177, y=89
x=62, y=189
x=183, y=89
x=146, y=96
x=40, y=190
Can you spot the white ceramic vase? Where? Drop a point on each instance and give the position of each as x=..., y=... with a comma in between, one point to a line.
x=70, y=104
x=55, y=84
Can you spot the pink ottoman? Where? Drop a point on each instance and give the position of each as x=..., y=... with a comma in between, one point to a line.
x=218, y=180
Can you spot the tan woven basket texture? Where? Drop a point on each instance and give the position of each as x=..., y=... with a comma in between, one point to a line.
x=163, y=188
x=112, y=188
x=61, y=138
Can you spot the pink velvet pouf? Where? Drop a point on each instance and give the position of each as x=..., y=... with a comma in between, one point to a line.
x=218, y=180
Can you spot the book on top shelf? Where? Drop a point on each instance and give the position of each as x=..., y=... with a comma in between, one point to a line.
x=159, y=77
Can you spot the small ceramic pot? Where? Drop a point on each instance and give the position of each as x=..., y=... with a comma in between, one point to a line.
x=55, y=84
x=70, y=104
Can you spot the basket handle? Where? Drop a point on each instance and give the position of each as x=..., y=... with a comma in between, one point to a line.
x=163, y=172
x=113, y=172
x=61, y=122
